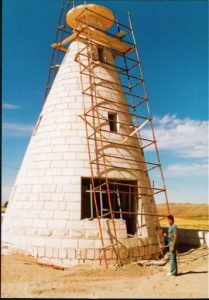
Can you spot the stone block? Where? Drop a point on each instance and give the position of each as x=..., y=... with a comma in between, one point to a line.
x=91, y=224
x=74, y=224
x=56, y=224
x=146, y=250
x=86, y=244
x=60, y=233
x=38, y=241
x=53, y=242
x=55, y=252
x=45, y=196
x=60, y=148
x=142, y=251
x=28, y=205
x=51, y=205
x=74, y=262
x=98, y=244
x=35, y=252
x=57, y=197
x=71, y=253
x=41, y=251
x=81, y=253
x=46, y=214
x=97, y=253
x=75, y=215
x=124, y=252
x=76, y=234
x=61, y=180
x=60, y=214
x=33, y=214
x=44, y=232
x=90, y=254
x=58, y=164
x=92, y=234
x=62, y=206
x=75, y=206
x=153, y=240
x=69, y=156
x=49, y=252
x=49, y=188
x=109, y=253
x=70, y=243
x=62, y=253
x=66, y=262
x=39, y=223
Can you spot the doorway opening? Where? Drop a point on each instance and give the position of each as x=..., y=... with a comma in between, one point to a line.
x=123, y=194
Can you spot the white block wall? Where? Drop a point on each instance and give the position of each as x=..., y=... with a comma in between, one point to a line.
x=44, y=212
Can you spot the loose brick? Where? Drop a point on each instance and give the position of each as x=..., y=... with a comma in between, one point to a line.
x=49, y=252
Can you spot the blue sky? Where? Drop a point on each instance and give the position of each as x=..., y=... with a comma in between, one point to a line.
x=172, y=42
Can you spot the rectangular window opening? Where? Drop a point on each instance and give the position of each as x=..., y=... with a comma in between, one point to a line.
x=112, y=119
x=123, y=194
x=102, y=55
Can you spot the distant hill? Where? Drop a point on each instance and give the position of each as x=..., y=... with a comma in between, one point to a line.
x=185, y=209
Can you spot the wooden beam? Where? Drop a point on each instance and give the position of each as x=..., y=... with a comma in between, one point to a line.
x=120, y=34
x=98, y=37
x=56, y=46
x=105, y=40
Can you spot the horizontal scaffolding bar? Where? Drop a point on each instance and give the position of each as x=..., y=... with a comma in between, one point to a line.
x=121, y=103
x=127, y=184
x=108, y=81
x=124, y=168
x=125, y=159
x=119, y=144
x=114, y=68
x=113, y=89
x=118, y=122
x=132, y=213
x=133, y=137
x=117, y=111
x=112, y=51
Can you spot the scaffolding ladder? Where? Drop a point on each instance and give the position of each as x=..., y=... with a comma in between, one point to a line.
x=95, y=129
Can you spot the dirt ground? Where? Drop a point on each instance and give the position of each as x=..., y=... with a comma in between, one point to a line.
x=23, y=277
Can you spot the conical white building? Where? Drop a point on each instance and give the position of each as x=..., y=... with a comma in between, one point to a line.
x=83, y=194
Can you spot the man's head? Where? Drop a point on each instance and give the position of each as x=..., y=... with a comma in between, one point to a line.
x=170, y=219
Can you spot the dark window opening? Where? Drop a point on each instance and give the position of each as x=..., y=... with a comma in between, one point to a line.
x=123, y=195
x=102, y=54
x=112, y=119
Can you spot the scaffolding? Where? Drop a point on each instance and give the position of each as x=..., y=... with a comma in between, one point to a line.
x=132, y=85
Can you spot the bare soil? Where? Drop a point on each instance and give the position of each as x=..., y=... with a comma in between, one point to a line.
x=23, y=277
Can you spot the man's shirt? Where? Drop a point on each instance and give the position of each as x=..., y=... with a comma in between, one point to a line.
x=171, y=231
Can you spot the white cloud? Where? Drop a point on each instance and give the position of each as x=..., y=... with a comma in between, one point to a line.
x=10, y=106
x=187, y=169
x=183, y=137
x=17, y=129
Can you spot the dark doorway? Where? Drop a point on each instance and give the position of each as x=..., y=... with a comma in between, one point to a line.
x=123, y=194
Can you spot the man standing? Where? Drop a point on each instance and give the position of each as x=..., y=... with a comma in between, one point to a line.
x=172, y=243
